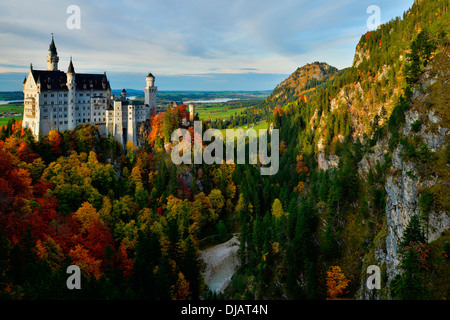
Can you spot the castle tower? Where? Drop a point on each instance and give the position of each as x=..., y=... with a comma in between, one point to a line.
x=71, y=96
x=191, y=112
x=52, y=57
x=123, y=94
x=131, y=125
x=118, y=124
x=150, y=93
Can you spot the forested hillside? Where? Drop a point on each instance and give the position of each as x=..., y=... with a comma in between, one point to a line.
x=363, y=180
x=303, y=81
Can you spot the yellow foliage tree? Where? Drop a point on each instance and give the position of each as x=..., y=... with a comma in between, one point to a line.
x=217, y=201
x=173, y=204
x=277, y=209
x=87, y=214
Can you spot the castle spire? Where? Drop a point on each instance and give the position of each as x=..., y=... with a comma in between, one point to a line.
x=52, y=57
x=71, y=68
x=52, y=47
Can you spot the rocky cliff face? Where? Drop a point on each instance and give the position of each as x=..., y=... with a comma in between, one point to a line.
x=408, y=177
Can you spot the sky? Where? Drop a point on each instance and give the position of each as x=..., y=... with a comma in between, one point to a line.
x=186, y=44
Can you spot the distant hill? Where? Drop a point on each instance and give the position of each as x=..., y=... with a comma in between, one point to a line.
x=304, y=80
x=11, y=95
x=130, y=92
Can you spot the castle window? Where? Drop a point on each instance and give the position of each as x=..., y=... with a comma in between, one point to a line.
x=81, y=94
x=53, y=95
x=45, y=95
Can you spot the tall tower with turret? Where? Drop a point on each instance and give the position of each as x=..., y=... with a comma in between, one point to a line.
x=71, y=87
x=150, y=92
x=52, y=57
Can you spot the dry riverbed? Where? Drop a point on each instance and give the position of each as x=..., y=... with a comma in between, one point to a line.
x=220, y=263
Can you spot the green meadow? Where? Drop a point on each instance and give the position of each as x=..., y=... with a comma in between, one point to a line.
x=16, y=108
x=261, y=125
x=4, y=121
x=217, y=112
x=11, y=108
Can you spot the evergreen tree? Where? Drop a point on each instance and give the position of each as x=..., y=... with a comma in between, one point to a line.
x=413, y=232
x=410, y=284
x=148, y=254
x=330, y=247
x=168, y=124
x=190, y=267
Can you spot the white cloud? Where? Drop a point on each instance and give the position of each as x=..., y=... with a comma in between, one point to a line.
x=186, y=36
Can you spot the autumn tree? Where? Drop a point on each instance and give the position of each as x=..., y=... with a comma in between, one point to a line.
x=89, y=265
x=87, y=215
x=277, y=209
x=336, y=282
x=55, y=140
x=180, y=290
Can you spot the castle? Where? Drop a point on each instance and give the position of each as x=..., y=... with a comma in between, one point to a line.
x=58, y=100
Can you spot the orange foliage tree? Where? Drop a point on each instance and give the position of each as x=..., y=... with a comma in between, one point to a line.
x=55, y=141
x=336, y=282
x=156, y=122
x=301, y=166
x=183, y=113
x=82, y=258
